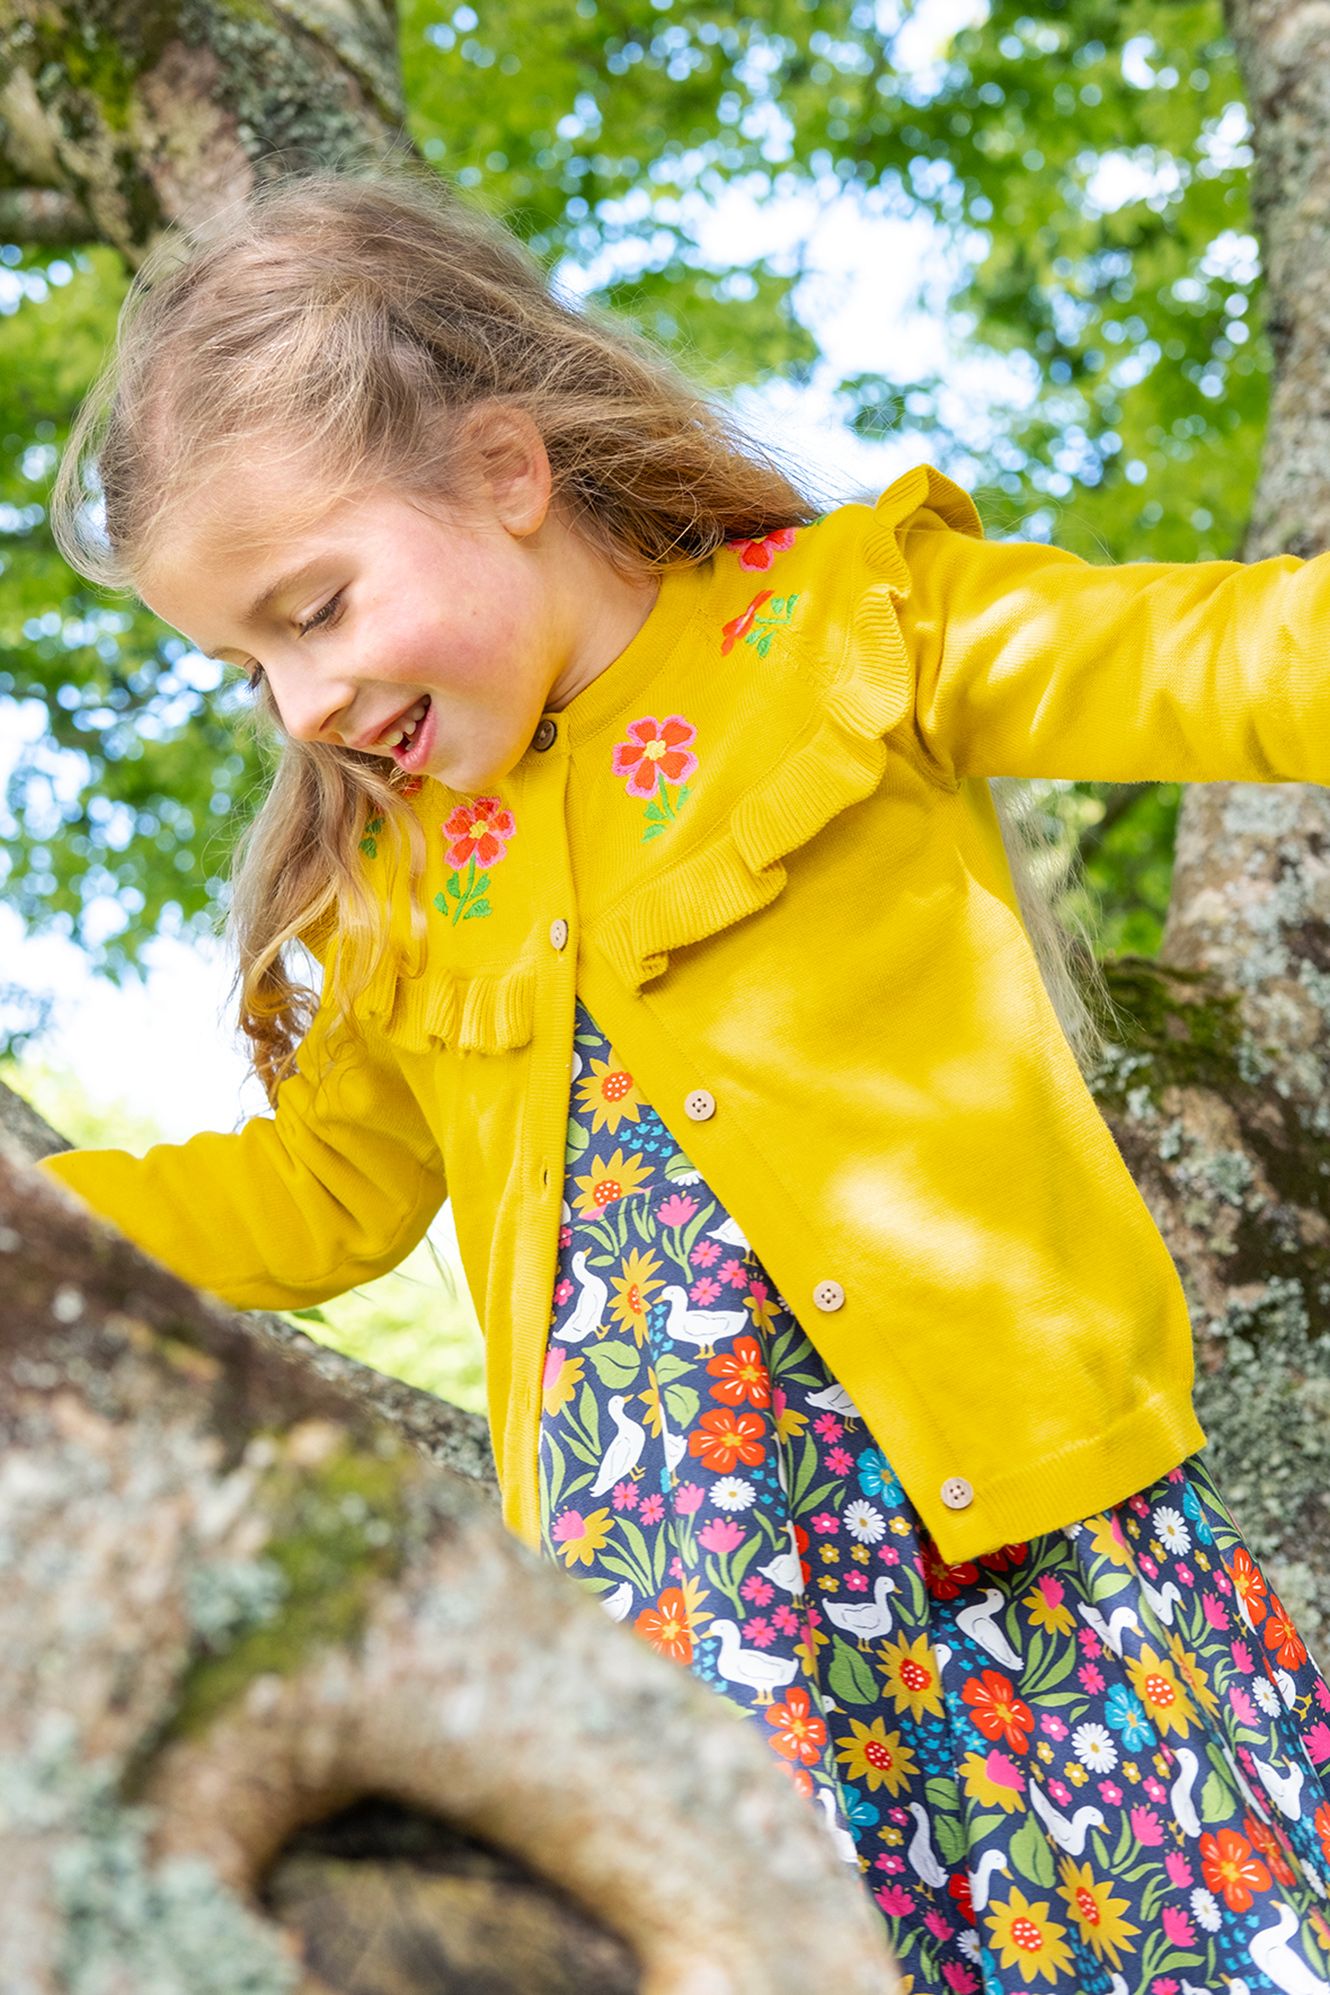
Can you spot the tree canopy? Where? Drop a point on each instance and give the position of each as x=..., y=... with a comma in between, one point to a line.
x=1086, y=168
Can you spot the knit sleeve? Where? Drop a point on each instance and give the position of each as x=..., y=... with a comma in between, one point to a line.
x=332, y=1189
x=1026, y=660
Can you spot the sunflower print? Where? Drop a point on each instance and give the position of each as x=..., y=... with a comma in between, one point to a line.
x=1094, y=1763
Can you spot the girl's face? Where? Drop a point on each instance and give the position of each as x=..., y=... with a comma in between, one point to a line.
x=434, y=640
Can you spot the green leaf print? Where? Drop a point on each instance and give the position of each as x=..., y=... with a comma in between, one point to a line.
x=555, y=1475
x=678, y=1167
x=670, y=1366
x=636, y=1548
x=984, y=1825
x=949, y=1835
x=616, y=1363
x=804, y=1475
x=1216, y=1799
x=944, y=1796
x=681, y=1404
x=589, y=1414
x=850, y=1677
x=1029, y=1851
x=579, y=1140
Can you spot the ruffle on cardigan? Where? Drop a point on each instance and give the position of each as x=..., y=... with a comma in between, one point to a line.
x=489, y=1011
x=868, y=692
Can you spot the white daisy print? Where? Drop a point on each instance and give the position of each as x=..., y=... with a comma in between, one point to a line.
x=1266, y=1695
x=1093, y=1746
x=1172, y=1532
x=1205, y=1909
x=733, y=1492
x=863, y=1521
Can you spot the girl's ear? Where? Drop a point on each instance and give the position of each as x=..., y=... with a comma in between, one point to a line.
x=509, y=454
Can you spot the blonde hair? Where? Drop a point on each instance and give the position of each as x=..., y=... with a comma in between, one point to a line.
x=361, y=321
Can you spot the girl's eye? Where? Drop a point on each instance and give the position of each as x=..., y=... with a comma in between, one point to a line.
x=321, y=618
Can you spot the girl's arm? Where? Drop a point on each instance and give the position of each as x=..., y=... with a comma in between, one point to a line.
x=1028, y=661
x=334, y=1188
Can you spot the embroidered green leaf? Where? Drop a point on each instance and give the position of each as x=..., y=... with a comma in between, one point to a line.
x=477, y=907
x=850, y=1677
x=655, y=813
x=652, y=831
x=482, y=883
x=682, y=798
x=369, y=847
x=441, y=904
x=615, y=1363
x=454, y=886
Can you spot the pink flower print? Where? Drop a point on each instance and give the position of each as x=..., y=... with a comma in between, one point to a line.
x=1139, y=1505
x=1091, y=1676
x=894, y=1899
x=1322, y=1693
x=688, y=1497
x=889, y=1555
x=824, y=1522
x=1090, y=1642
x=1178, y=1928
x=653, y=1508
x=760, y=1633
x=721, y=1535
x=1316, y=1738
x=1060, y=1792
x=563, y=1289
x=477, y=834
x=676, y=1210
x=565, y=1236
x=839, y=1462
x=1155, y=1789
x=1165, y=1985
x=655, y=755
x=705, y=1253
x=785, y=1619
x=962, y=1980
x=760, y=1591
x=1242, y=1660
x=1179, y=1870
x=1052, y=1725
x=704, y=1290
x=1148, y=1566
x=1214, y=1610
x=761, y=553
x=941, y=1928
x=626, y=1495
x=856, y=1580
x=735, y=1273
x=1186, y=1575
x=1243, y=1708
x=1146, y=1827
x=676, y=1567
x=827, y=1427
x=888, y=1862
x=1111, y=1792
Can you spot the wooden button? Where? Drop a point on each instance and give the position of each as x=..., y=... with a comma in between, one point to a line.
x=545, y=735
x=957, y=1493
x=829, y=1295
x=559, y=932
x=700, y=1106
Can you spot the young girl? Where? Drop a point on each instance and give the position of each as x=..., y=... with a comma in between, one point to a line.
x=640, y=820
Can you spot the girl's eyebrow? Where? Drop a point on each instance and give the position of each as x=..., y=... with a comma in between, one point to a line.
x=255, y=613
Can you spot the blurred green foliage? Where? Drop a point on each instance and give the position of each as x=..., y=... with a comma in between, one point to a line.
x=1085, y=165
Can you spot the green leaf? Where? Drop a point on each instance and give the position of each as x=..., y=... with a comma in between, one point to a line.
x=950, y=1837
x=454, y=886
x=1030, y=1853
x=1217, y=1799
x=681, y=1404
x=850, y=1676
x=615, y=1363
x=477, y=907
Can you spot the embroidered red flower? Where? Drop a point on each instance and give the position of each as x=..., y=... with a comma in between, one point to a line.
x=761, y=553
x=740, y=626
x=478, y=831
x=655, y=755
x=655, y=749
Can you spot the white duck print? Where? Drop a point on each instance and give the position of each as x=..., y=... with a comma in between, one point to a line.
x=1274, y=1957
x=1284, y=1789
x=618, y=1603
x=1181, y=1798
x=730, y=1234
x=624, y=1453
x=977, y=1621
x=990, y=1864
x=686, y=1324
x=785, y=1569
x=920, y=1853
x=846, y=1847
x=1069, y=1835
x=834, y=1398
x=753, y=1668
x=866, y=1620
x=589, y=1310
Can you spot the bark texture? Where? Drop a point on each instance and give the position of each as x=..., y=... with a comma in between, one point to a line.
x=233, y=1604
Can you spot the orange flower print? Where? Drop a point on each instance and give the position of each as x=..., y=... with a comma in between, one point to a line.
x=743, y=1378
x=477, y=834
x=666, y=1626
x=1265, y=1838
x=998, y=1711
x=722, y=1440
x=758, y=625
x=761, y=553
x=1282, y=1638
x=1249, y=1581
x=1321, y=1824
x=799, y=1734
x=655, y=755
x=1232, y=1868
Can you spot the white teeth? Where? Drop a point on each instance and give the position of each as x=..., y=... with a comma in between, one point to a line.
x=391, y=740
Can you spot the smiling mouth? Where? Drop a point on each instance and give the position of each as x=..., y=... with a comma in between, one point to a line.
x=402, y=730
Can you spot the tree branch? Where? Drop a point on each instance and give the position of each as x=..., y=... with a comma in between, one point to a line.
x=31, y=215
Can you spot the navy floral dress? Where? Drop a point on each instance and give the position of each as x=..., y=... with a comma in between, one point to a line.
x=1093, y=1762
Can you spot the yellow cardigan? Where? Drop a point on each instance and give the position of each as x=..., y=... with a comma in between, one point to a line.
x=814, y=967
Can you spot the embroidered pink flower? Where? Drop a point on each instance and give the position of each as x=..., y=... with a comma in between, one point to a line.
x=655, y=755
x=478, y=831
x=761, y=553
x=477, y=835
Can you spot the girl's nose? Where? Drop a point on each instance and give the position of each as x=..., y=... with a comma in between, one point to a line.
x=311, y=709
